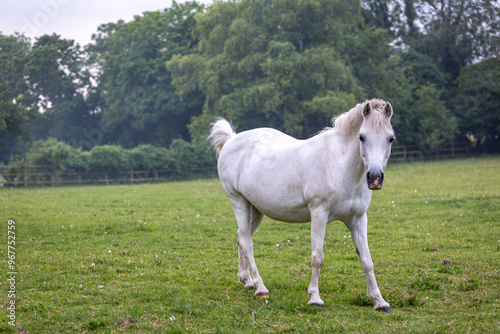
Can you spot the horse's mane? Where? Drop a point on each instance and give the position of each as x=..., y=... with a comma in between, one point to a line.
x=351, y=121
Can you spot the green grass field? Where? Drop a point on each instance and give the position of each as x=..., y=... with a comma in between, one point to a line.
x=163, y=258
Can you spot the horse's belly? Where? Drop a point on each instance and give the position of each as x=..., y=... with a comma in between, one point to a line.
x=287, y=205
x=287, y=214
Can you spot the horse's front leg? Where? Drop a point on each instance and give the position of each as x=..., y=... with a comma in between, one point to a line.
x=318, y=229
x=358, y=229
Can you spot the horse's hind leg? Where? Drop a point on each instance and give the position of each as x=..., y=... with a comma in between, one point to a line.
x=248, y=218
x=244, y=269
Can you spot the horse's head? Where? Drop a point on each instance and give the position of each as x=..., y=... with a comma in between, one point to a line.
x=376, y=136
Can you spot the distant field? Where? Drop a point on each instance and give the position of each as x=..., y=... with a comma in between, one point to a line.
x=163, y=258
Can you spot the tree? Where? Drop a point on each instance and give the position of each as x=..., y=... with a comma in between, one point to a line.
x=476, y=101
x=59, y=84
x=457, y=32
x=274, y=63
x=421, y=116
x=135, y=87
x=454, y=33
x=15, y=111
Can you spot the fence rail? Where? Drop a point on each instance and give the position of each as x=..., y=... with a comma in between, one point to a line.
x=29, y=175
x=414, y=152
x=32, y=175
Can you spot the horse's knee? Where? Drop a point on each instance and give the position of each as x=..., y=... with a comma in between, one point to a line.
x=317, y=259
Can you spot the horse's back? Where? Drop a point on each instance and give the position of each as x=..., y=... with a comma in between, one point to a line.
x=263, y=142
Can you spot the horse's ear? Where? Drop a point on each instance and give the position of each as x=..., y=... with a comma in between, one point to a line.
x=367, y=109
x=388, y=110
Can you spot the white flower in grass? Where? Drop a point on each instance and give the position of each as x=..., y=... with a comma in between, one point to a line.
x=172, y=318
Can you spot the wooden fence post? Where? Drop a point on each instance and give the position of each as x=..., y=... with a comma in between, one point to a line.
x=53, y=179
x=131, y=176
x=25, y=176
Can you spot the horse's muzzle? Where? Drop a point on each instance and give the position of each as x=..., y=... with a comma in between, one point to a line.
x=375, y=179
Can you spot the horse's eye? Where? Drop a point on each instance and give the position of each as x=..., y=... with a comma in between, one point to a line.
x=392, y=139
x=361, y=137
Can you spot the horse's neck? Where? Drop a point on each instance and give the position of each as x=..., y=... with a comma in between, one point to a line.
x=344, y=155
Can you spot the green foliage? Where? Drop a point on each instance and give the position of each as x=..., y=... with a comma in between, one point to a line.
x=457, y=32
x=15, y=114
x=56, y=155
x=476, y=102
x=279, y=67
x=434, y=124
x=60, y=86
x=110, y=158
x=421, y=116
x=183, y=158
x=135, y=87
x=188, y=156
x=151, y=158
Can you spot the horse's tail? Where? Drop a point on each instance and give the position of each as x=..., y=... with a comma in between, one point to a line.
x=220, y=133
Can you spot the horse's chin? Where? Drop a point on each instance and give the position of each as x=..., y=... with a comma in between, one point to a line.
x=374, y=187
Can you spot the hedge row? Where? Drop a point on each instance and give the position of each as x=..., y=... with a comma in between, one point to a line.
x=182, y=157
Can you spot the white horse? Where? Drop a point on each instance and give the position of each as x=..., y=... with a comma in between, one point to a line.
x=325, y=178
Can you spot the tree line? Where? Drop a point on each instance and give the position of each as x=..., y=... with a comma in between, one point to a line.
x=162, y=78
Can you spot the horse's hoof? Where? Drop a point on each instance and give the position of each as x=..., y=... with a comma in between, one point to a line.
x=263, y=294
x=386, y=309
x=317, y=305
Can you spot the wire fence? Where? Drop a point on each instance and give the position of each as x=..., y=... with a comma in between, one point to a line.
x=33, y=175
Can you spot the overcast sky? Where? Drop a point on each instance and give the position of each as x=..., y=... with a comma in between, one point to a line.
x=72, y=19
